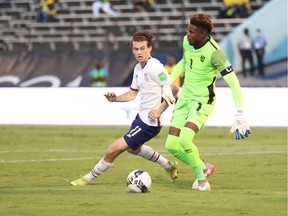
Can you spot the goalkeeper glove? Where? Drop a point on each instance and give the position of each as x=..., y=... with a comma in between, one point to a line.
x=168, y=95
x=240, y=127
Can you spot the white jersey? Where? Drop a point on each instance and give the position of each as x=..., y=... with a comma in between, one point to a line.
x=149, y=81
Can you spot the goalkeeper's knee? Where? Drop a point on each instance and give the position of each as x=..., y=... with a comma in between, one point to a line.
x=186, y=138
x=172, y=144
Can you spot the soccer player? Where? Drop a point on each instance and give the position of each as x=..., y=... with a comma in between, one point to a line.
x=202, y=60
x=149, y=77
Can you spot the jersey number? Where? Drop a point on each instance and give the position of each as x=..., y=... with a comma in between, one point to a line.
x=191, y=62
x=134, y=131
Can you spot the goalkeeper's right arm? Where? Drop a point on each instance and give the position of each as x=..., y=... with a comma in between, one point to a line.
x=169, y=92
x=158, y=110
x=178, y=70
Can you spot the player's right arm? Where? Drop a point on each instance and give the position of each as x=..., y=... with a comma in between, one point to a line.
x=178, y=70
x=240, y=128
x=169, y=88
x=127, y=96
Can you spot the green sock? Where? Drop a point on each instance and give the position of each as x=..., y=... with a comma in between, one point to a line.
x=199, y=171
x=186, y=140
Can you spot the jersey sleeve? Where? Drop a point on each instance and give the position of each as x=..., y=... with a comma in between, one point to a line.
x=178, y=70
x=221, y=62
x=223, y=65
x=159, y=74
x=233, y=82
x=133, y=85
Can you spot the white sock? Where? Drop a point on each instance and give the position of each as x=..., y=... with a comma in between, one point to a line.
x=98, y=169
x=149, y=153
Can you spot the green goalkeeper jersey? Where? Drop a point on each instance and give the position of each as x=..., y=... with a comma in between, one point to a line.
x=200, y=67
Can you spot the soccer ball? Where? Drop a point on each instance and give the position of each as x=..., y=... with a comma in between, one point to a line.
x=138, y=181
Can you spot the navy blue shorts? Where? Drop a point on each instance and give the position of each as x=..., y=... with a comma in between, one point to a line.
x=140, y=133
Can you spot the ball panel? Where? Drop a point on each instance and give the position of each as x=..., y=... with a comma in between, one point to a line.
x=138, y=181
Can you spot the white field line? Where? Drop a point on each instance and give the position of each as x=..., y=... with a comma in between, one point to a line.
x=51, y=150
x=93, y=158
x=45, y=160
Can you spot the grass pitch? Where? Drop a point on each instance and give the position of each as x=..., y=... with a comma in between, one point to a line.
x=38, y=162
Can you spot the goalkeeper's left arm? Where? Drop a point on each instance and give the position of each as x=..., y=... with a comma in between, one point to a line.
x=240, y=128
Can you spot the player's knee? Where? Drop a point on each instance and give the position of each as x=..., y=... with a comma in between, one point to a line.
x=172, y=144
x=182, y=139
x=186, y=137
x=111, y=152
x=170, y=147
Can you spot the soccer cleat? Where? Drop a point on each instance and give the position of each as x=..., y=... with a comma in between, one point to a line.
x=82, y=181
x=172, y=170
x=208, y=171
x=195, y=185
x=204, y=186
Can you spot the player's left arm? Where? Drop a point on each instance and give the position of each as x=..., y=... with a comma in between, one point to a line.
x=169, y=90
x=231, y=79
x=240, y=128
x=156, y=112
x=160, y=75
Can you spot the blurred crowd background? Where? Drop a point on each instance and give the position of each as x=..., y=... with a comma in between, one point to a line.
x=56, y=43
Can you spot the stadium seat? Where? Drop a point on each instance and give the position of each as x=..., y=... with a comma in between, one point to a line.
x=75, y=23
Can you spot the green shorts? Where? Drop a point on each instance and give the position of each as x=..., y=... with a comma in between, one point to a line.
x=190, y=111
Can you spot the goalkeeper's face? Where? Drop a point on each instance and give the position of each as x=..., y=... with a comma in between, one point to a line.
x=141, y=51
x=196, y=36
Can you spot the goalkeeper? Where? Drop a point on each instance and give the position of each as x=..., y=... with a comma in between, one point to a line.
x=202, y=60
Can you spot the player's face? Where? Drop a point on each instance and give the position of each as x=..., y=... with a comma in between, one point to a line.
x=141, y=52
x=193, y=35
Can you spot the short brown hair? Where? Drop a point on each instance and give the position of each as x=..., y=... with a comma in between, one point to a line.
x=144, y=35
x=202, y=21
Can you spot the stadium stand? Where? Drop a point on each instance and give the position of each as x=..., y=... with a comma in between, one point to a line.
x=69, y=46
x=77, y=29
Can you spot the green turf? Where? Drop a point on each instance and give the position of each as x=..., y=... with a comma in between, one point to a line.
x=37, y=164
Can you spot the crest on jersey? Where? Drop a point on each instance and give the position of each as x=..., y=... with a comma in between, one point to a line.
x=202, y=58
x=146, y=77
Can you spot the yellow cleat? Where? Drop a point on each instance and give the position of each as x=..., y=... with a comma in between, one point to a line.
x=82, y=181
x=172, y=171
